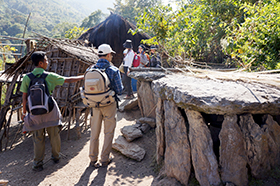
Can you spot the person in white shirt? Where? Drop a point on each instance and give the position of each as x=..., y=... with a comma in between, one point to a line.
x=128, y=59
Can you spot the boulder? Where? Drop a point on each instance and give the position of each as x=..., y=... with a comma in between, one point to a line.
x=128, y=104
x=160, y=148
x=214, y=96
x=130, y=150
x=145, y=127
x=150, y=121
x=146, y=74
x=203, y=158
x=273, y=130
x=256, y=146
x=233, y=159
x=131, y=132
x=146, y=100
x=167, y=181
x=177, y=157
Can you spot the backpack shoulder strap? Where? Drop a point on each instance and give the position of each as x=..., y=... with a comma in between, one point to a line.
x=31, y=76
x=44, y=75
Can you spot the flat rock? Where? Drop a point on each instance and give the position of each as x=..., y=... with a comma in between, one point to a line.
x=262, y=144
x=203, y=158
x=128, y=104
x=146, y=99
x=145, y=127
x=214, y=96
x=131, y=132
x=150, y=121
x=130, y=150
x=233, y=160
x=167, y=181
x=160, y=148
x=177, y=157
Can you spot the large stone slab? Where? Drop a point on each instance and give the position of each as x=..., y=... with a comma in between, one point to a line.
x=146, y=100
x=257, y=146
x=130, y=150
x=233, y=159
x=262, y=144
x=213, y=96
x=160, y=131
x=272, y=128
x=204, y=160
x=177, y=152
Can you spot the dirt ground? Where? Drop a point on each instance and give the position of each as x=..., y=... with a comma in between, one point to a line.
x=73, y=168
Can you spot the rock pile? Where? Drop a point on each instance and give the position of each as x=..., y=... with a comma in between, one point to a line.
x=124, y=143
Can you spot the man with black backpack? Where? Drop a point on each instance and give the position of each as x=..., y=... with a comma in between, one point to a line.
x=103, y=111
x=43, y=112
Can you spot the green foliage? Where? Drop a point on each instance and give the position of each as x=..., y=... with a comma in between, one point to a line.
x=7, y=48
x=45, y=15
x=60, y=29
x=194, y=29
x=93, y=19
x=256, y=42
x=158, y=22
x=3, y=91
x=6, y=58
x=131, y=8
x=74, y=33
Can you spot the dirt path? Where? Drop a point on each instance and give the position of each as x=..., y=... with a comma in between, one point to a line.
x=73, y=169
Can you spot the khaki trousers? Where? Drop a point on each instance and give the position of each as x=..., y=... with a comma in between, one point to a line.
x=108, y=115
x=39, y=143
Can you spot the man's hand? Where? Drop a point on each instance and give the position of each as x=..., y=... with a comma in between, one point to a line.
x=24, y=101
x=22, y=116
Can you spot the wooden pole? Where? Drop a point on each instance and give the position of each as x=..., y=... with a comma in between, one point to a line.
x=24, y=32
x=7, y=103
x=1, y=85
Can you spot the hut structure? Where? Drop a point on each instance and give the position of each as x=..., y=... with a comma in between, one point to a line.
x=113, y=31
x=66, y=58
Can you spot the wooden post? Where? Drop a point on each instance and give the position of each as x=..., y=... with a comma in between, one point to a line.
x=7, y=103
x=1, y=85
x=69, y=121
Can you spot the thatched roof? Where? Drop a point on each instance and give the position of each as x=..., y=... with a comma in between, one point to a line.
x=113, y=31
x=87, y=55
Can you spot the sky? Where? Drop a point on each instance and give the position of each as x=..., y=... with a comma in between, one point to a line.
x=94, y=5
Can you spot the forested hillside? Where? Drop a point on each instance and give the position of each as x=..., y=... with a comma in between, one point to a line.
x=45, y=15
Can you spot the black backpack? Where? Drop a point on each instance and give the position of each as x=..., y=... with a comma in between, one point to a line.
x=39, y=100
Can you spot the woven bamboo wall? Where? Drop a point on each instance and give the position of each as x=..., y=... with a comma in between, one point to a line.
x=65, y=65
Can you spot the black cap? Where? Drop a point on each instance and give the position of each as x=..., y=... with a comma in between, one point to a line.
x=127, y=44
x=142, y=46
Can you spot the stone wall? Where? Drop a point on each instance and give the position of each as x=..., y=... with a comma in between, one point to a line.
x=223, y=131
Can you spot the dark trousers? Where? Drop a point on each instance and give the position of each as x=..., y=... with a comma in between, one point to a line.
x=127, y=82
